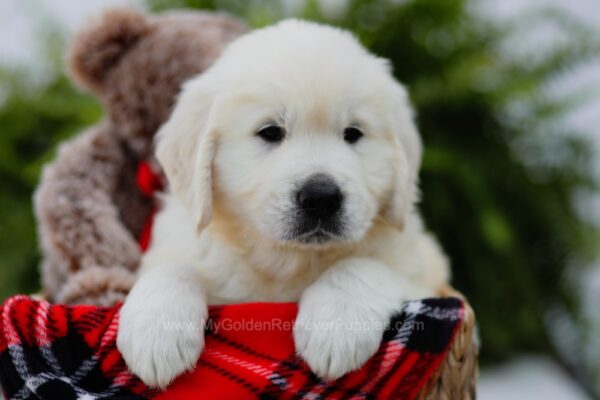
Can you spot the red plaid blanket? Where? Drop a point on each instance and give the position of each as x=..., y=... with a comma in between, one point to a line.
x=60, y=352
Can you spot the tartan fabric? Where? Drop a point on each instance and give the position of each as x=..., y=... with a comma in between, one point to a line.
x=61, y=352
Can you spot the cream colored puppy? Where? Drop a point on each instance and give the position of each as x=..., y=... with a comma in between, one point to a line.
x=292, y=165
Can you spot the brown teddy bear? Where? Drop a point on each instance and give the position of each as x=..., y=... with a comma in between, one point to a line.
x=89, y=210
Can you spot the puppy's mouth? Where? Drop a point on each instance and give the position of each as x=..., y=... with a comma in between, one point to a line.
x=318, y=211
x=317, y=232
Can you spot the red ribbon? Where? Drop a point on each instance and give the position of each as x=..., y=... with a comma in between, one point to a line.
x=148, y=182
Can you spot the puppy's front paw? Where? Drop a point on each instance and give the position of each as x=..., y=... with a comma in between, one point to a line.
x=335, y=339
x=161, y=336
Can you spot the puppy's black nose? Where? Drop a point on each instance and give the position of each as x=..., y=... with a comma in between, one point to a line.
x=320, y=197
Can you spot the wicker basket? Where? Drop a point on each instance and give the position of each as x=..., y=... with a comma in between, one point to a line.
x=457, y=377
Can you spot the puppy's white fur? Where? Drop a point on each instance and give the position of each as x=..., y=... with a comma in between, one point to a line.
x=223, y=233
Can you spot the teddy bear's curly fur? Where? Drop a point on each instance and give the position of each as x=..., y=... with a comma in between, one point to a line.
x=88, y=207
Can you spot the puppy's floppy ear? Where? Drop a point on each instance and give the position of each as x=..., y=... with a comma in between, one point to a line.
x=186, y=146
x=408, y=150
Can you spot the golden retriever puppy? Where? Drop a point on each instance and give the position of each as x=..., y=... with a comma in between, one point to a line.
x=293, y=167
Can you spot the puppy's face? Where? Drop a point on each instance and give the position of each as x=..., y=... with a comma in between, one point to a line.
x=300, y=133
x=306, y=162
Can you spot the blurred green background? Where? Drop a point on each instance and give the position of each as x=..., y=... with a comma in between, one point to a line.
x=501, y=173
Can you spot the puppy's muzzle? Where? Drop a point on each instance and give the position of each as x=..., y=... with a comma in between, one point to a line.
x=319, y=202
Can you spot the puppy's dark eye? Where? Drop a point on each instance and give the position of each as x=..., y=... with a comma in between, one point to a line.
x=352, y=134
x=271, y=134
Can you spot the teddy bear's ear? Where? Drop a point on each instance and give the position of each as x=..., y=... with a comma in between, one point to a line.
x=100, y=44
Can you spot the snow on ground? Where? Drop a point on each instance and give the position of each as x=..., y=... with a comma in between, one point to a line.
x=528, y=377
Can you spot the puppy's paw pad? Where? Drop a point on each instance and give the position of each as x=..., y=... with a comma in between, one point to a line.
x=158, y=350
x=335, y=343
